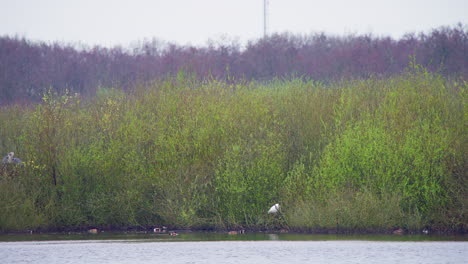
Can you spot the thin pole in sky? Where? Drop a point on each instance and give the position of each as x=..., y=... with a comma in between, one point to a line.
x=265, y=16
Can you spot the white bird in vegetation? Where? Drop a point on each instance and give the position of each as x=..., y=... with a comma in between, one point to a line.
x=274, y=209
x=10, y=160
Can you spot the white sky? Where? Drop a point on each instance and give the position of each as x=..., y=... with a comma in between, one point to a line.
x=122, y=22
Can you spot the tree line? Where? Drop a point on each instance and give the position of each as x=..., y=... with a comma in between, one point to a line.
x=28, y=68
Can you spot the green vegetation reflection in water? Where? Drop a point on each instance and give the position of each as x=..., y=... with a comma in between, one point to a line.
x=214, y=236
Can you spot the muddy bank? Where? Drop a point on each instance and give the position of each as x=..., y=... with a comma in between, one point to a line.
x=234, y=231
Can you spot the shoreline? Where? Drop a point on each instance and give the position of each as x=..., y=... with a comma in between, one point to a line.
x=317, y=231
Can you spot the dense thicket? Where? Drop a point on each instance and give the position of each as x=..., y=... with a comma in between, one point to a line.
x=28, y=68
x=363, y=154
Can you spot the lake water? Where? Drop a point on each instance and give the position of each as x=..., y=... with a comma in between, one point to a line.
x=221, y=248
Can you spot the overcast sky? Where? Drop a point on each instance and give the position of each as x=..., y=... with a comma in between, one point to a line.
x=122, y=22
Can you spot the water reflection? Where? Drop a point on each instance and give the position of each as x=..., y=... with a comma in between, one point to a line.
x=221, y=236
x=273, y=236
x=186, y=249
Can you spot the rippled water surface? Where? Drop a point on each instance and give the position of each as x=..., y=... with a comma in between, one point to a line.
x=221, y=248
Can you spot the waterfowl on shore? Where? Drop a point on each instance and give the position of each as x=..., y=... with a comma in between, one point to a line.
x=160, y=229
x=274, y=209
x=398, y=231
x=236, y=232
x=9, y=159
x=93, y=231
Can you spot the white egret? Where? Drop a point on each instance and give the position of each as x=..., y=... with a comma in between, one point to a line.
x=274, y=209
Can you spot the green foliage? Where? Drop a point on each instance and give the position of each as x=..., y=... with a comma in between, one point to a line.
x=350, y=210
x=247, y=183
x=400, y=146
x=188, y=153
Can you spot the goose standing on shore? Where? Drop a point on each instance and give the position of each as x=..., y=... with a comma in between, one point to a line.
x=9, y=159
